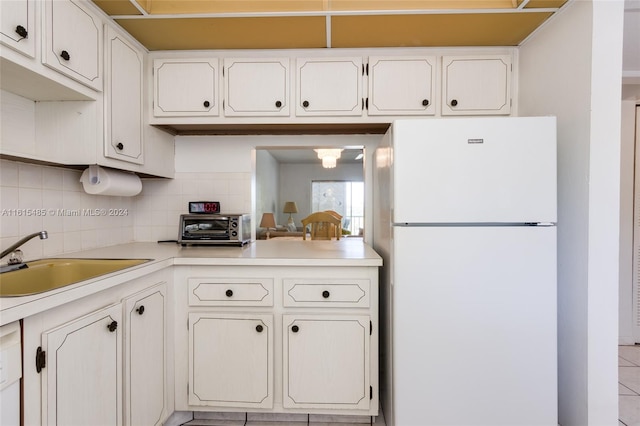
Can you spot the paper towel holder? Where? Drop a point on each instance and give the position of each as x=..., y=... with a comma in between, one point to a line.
x=98, y=180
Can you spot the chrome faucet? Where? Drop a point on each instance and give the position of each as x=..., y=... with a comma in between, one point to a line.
x=42, y=234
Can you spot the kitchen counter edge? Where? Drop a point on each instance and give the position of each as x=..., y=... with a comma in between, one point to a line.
x=347, y=252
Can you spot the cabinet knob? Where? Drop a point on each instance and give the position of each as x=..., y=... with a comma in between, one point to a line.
x=259, y=328
x=229, y=293
x=454, y=102
x=295, y=328
x=140, y=310
x=120, y=146
x=305, y=104
x=278, y=104
x=22, y=31
x=65, y=55
x=425, y=102
x=206, y=104
x=326, y=294
x=113, y=325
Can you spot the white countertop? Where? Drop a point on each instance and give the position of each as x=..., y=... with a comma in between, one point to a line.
x=346, y=252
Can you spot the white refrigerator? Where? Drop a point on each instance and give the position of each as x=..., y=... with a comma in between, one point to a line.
x=464, y=218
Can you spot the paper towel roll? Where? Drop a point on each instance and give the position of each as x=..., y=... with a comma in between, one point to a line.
x=99, y=181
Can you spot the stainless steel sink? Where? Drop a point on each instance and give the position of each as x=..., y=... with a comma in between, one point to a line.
x=48, y=274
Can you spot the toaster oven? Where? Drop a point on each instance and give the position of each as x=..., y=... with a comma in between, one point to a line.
x=212, y=229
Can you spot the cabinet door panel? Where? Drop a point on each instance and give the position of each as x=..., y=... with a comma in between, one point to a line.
x=123, y=133
x=17, y=26
x=145, y=365
x=82, y=379
x=230, y=360
x=257, y=87
x=326, y=361
x=476, y=85
x=186, y=88
x=401, y=86
x=329, y=86
x=73, y=42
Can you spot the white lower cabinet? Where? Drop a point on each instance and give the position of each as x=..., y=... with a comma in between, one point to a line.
x=82, y=370
x=326, y=361
x=101, y=359
x=145, y=360
x=231, y=360
x=277, y=339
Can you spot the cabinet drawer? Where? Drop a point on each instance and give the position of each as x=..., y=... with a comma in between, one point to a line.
x=230, y=292
x=348, y=293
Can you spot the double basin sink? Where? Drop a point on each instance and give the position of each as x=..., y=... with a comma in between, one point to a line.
x=48, y=274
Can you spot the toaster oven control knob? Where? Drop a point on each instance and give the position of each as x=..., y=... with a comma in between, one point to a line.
x=234, y=224
x=234, y=233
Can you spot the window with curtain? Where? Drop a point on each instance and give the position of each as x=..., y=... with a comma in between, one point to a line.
x=344, y=197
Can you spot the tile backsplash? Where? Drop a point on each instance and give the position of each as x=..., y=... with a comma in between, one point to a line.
x=35, y=197
x=158, y=207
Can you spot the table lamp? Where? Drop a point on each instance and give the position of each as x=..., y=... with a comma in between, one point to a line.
x=267, y=221
x=290, y=207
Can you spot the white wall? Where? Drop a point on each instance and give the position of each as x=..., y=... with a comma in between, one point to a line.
x=222, y=168
x=267, y=181
x=571, y=68
x=627, y=162
x=295, y=184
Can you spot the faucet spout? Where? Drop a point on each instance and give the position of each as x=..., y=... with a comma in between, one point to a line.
x=42, y=234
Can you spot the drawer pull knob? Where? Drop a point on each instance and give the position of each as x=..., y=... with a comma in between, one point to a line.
x=113, y=325
x=295, y=328
x=454, y=102
x=206, y=104
x=65, y=55
x=120, y=146
x=305, y=104
x=425, y=102
x=140, y=310
x=259, y=328
x=326, y=294
x=229, y=293
x=278, y=104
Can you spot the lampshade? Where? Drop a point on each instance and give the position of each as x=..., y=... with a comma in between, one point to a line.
x=290, y=207
x=268, y=221
x=328, y=156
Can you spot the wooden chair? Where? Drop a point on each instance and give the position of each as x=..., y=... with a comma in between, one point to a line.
x=334, y=213
x=324, y=226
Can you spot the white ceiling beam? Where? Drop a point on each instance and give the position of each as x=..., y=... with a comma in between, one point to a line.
x=337, y=13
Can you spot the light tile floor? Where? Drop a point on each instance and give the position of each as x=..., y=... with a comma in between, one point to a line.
x=629, y=385
x=256, y=419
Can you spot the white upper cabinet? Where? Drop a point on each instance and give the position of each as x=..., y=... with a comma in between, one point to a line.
x=329, y=86
x=73, y=41
x=256, y=87
x=185, y=88
x=17, y=26
x=123, y=127
x=401, y=85
x=476, y=85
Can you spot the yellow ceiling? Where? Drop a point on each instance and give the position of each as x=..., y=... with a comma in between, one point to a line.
x=289, y=24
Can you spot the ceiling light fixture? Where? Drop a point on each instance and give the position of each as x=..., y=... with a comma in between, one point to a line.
x=329, y=157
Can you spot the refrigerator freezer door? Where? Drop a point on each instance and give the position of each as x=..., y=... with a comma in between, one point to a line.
x=474, y=326
x=474, y=170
